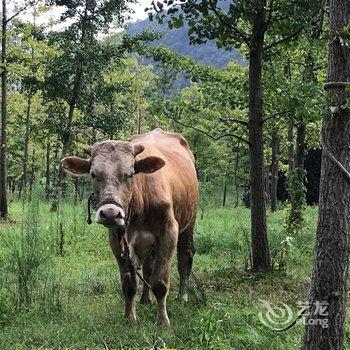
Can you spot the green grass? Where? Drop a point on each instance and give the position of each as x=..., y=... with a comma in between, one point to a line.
x=76, y=300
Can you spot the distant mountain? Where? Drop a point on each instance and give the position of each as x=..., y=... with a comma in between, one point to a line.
x=177, y=40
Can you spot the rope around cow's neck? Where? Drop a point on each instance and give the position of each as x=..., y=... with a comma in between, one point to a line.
x=125, y=252
x=90, y=199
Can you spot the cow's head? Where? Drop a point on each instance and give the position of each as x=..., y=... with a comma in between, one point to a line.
x=111, y=168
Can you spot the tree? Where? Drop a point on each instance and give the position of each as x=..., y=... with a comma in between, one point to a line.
x=3, y=140
x=5, y=20
x=274, y=168
x=330, y=268
x=302, y=119
x=260, y=25
x=82, y=60
x=115, y=101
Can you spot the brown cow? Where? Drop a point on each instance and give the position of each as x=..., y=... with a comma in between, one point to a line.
x=146, y=191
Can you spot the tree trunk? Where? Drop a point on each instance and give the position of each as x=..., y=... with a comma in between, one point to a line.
x=47, y=173
x=24, y=176
x=225, y=194
x=67, y=134
x=3, y=139
x=67, y=138
x=300, y=146
x=32, y=175
x=330, y=267
x=94, y=136
x=139, y=121
x=55, y=190
x=260, y=248
x=290, y=148
x=267, y=186
x=297, y=190
x=235, y=173
x=290, y=137
x=274, y=168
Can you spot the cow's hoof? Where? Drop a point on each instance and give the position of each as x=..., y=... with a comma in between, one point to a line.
x=131, y=318
x=163, y=320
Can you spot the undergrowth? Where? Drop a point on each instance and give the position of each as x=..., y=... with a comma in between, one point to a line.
x=69, y=297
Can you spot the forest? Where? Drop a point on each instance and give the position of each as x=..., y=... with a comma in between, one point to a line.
x=260, y=91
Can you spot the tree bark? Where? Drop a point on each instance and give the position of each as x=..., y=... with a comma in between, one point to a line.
x=331, y=259
x=47, y=173
x=235, y=174
x=297, y=190
x=3, y=139
x=67, y=134
x=300, y=146
x=94, y=135
x=224, y=194
x=139, y=121
x=67, y=137
x=32, y=175
x=290, y=148
x=24, y=177
x=274, y=168
x=260, y=248
x=290, y=136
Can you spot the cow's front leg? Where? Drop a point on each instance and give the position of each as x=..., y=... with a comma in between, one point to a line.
x=128, y=277
x=160, y=280
x=147, y=269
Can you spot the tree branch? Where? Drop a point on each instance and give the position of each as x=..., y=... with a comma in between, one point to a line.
x=287, y=38
x=326, y=149
x=241, y=34
x=274, y=115
x=31, y=3
x=239, y=121
x=206, y=133
x=269, y=17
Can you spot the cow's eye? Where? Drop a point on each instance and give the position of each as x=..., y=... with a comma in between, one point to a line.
x=93, y=175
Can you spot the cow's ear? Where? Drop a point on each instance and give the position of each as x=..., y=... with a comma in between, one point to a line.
x=149, y=165
x=76, y=165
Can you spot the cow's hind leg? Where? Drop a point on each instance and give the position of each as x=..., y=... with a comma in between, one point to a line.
x=185, y=252
x=147, y=269
x=160, y=281
x=128, y=278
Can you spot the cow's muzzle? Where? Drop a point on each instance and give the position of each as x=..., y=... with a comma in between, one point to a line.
x=110, y=214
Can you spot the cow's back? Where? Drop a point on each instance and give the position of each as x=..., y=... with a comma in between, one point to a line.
x=175, y=184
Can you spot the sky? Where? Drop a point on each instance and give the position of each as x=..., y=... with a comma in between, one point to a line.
x=56, y=12
x=139, y=9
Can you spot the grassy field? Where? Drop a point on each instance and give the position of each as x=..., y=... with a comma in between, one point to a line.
x=66, y=294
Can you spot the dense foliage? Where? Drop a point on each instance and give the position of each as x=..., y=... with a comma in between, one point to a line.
x=69, y=88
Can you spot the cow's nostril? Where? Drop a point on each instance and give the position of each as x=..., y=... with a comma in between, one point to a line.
x=108, y=216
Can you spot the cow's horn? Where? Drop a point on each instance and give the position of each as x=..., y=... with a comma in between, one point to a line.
x=138, y=149
x=88, y=150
